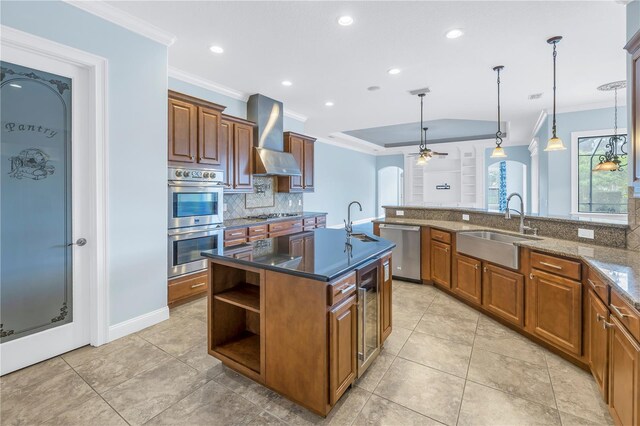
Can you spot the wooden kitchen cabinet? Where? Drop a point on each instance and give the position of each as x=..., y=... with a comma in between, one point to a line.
x=211, y=150
x=624, y=375
x=467, y=278
x=187, y=287
x=503, y=293
x=597, y=340
x=386, y=299
x=236, y=136
x=343, y=356
x=440, y=255
x=183, y=131
x=556, y=310
x=633, y=47
x=302, y=148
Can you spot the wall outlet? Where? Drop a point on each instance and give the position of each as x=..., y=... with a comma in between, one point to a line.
x=224, y=207
x=399, y=212
x=465, y=217
x=586, y=233
x=290, y=203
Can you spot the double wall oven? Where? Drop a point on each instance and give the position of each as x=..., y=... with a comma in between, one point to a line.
x=195, y=204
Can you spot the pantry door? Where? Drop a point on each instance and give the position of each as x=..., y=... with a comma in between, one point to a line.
x=46, y=177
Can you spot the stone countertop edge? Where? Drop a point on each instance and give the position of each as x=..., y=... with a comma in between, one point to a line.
x=600, y=257
x=242, y=221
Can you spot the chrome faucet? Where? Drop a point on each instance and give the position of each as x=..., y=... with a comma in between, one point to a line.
x=507, y=213
x=348, y=225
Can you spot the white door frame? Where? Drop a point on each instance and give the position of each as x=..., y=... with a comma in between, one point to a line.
x=96, y=68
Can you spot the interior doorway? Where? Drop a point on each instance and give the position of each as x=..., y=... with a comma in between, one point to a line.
x=390, y=188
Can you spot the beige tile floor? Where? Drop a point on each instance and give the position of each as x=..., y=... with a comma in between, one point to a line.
x=444, y=363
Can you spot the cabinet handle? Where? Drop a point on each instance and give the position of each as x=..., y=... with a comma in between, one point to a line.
x=446, y=250
x=485, y=269
x=618, y=311
x=599, y=317
x=606, y=325
x=594, y=285
x=551, y=265
x=198, y=285
x=531, y=276
x=477, y=266
x=347, y=289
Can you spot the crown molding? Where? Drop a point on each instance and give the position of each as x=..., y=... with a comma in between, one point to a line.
x=207, y=84
x=119, y=17
x=536, y=128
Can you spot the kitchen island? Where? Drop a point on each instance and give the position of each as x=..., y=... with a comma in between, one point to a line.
x=303, y=314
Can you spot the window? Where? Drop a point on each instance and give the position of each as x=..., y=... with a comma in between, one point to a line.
x=602, y=192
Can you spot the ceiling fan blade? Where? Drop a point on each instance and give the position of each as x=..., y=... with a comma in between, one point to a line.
x=440, y=153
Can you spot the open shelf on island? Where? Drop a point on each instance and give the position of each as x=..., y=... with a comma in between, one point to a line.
x=244, y=349
x=244, y=295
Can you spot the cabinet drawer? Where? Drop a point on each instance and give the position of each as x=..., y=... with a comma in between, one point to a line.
x=341, y=288
x=628, y=316
x=310, y=221
x=321, y=220
x=441, y=236
x=309, y=228
x=235, y=234
x=190, y=285
x=257, y=237
x=231, y=243
x=291, y=225
x=257, y=230
x=555, y=265
x=598, y=286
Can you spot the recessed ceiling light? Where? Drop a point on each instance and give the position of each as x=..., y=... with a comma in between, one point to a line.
x=455, y=33
x=216, y=49
x=394, y=71
x=373, y=88
x=286, y=83
x=328, y=103
x=345, y=21
x=17, y=86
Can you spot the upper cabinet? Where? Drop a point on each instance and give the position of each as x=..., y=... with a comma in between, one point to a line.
x=633, y=47
x=302, y=149
x=200, y=134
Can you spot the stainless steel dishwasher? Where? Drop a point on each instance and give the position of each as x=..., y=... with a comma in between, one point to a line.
x=406, y=255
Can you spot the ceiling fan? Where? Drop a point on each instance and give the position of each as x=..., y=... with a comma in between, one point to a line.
x=425, y=154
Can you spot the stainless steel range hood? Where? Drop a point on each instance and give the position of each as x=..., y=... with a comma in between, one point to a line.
x=270, y=159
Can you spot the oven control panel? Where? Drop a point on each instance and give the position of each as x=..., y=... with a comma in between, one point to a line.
x=195, y=175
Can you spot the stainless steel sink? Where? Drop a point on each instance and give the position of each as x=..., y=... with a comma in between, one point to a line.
x=364, y=238
x=494, y=247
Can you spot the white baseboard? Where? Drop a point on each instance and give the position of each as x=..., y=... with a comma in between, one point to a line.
x=356, y=222
x=138, y=323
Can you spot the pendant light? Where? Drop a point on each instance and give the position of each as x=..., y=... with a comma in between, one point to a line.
x=424, y=153
x=611, y=160
x=498, y=151
x=555, y=143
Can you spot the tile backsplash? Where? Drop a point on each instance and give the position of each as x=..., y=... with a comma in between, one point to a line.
x=264, y=201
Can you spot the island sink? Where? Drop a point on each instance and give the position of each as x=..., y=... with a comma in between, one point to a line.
x=491, y=246
x=364, y=238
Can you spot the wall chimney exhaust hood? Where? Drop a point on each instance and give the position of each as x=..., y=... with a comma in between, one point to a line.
x=270, y=159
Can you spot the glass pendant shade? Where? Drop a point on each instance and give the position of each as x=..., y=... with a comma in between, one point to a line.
x=555, y=144
x=609, y=166
x=498, y=152
x=422, y=160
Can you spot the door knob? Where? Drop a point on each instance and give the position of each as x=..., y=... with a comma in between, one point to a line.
x=79, y=242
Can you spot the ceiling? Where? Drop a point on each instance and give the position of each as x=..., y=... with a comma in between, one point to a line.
x=267, y=42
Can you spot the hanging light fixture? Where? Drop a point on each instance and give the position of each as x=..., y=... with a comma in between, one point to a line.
x=555, y=143
x=425, y=153
x=611, y=160
x=498, y=151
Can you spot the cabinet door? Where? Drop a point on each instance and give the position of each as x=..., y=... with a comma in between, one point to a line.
x=343, y=353
x=210, y=149
x=597, y=340
x=467, y=281
x=183, y=131
x=307, y=170
x=296, y=148
x=386, y=305
x=242, y=157
x=226, y=142
x=624, y=376
x=557, y=310
x=296, y=247
x=503, y=293
x=441, y=263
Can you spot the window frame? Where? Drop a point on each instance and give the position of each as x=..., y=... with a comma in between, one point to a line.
x=574, y=172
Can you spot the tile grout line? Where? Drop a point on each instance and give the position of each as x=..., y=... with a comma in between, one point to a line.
x=96, y=392
x=466, y=378
x=408, y=408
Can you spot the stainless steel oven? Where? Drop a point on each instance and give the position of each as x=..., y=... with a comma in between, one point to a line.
x=195, y=197
x=186, y=244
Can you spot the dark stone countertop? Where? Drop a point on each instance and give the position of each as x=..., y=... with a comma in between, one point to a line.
x=323, y=255
x=620, y=267
x=241, y=222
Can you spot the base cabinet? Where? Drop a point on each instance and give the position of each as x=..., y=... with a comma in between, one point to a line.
x=385, y=297
x=557, y=310
x=624, y=376
x=597, y=341
x=343, y=333
x=503, y=293
x=467, y=281
x=441, y=263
